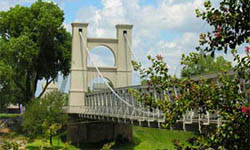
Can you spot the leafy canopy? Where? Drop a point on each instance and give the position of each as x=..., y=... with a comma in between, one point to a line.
x=231, y=21
x=195, y=64
x=5, y=86
x=35, y=45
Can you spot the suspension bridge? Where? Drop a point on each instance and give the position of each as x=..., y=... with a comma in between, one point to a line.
x=115, y=104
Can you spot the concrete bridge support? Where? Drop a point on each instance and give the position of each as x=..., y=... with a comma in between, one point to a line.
x=98, y=132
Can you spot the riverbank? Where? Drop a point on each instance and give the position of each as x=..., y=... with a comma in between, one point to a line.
x=153, y=138
x=143, y=138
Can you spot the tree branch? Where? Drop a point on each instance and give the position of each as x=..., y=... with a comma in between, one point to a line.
x=45, y=87
x=34, y=85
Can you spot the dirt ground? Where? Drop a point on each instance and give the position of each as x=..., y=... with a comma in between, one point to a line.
x=7, y=129
x=4, y=131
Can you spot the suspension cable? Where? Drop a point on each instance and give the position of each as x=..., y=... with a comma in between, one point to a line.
x=133, y=54
x=63, y=84
x=102, y=77
x=130, y=48
x=132, y=51
x=98, y=71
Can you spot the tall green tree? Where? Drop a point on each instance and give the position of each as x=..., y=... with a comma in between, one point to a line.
x=35, y=44
x=195, y=64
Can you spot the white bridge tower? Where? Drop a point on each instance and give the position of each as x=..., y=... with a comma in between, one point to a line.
x=81, y=74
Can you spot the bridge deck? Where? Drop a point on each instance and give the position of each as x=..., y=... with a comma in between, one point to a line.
x=104, y=105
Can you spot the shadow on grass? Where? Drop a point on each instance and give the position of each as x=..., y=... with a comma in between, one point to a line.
x=45, y=148
x=119, y=145
x=129, y=146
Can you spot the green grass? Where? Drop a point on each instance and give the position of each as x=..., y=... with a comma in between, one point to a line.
x=4, y=115
x=151, y=139
x=155, y=139
x=57, y=143
x=143, y=139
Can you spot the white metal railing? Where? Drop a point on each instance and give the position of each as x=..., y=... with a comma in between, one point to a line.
x=104, y=103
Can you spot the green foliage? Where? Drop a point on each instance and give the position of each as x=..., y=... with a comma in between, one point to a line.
x=231, y=25
x=13, y=145
x=34, y=45
x=229, y=99
x=50, y=130
x=44, y=117
x=67, y=146
x=108, y=146
x=6, y=85
x=195, y=64
x=19, y=53
x=144, y=82
x=39, y=144
x=225, y=99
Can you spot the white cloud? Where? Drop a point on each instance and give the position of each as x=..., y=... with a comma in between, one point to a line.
x=97, y=60
x=149, y=23
x=172, y=50
x=101, y=56
x=68, y=27
x=5, y=5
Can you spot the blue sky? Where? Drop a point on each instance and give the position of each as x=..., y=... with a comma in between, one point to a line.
x=166, y=27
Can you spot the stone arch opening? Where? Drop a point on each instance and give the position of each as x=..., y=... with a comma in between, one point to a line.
x=97, y=84
x=102, y=56
x=81, y=74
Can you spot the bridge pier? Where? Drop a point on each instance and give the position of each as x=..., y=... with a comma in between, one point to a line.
x=86, y=132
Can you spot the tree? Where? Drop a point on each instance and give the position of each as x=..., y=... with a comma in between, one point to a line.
x=45, y=116
x=229, y=98
x=6, y=85
x=196, y=64
x=230, y=22
x=35, y=44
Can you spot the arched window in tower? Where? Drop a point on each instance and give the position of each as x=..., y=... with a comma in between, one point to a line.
x=102, y=57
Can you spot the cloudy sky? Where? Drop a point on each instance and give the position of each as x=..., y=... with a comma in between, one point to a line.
x=166, y=27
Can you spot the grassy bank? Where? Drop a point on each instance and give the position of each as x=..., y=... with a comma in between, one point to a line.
x=57, y=143
x=152, y=139
x=4, y=115
x=144, y=139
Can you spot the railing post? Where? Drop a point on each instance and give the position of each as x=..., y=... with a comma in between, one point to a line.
x=111, y=103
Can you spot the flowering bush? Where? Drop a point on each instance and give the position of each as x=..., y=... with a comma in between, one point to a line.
x=229, y=97
x=245, y=110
